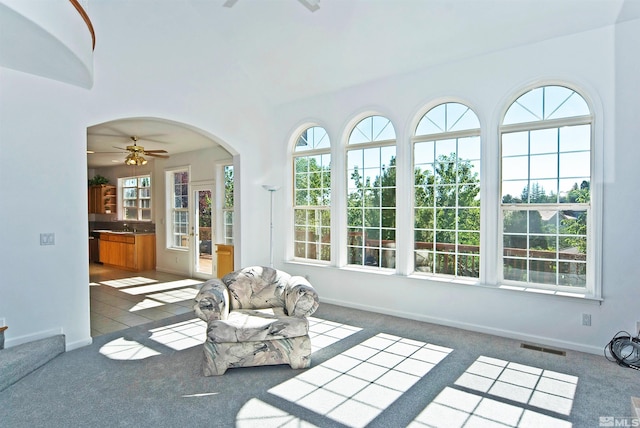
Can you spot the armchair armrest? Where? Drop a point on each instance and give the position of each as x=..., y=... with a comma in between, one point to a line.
x=212, y=302
x=301, y=299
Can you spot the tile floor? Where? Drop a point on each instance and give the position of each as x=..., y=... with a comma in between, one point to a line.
x=121, y=299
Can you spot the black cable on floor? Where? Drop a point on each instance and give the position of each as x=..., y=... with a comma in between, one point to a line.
x=624, y=350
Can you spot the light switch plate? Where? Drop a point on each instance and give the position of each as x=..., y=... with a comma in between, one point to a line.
x=47, y=239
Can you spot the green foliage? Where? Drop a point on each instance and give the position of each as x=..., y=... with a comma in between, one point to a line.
x=97, y=180
x=373, y=204
x=542, y=231
x=228, y=187
x=452, y=183
x=312, y=181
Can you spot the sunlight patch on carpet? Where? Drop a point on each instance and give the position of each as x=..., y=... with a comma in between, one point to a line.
x=462, y=409
x=124, y=349
x=181, y=335
x=257, y=413
x=357, y=385
x=324, y=333
x=534, y=386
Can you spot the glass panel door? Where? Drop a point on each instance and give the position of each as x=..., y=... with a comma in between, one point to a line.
x=203, y=232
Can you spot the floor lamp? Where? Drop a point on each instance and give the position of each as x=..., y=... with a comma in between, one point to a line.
x=271, y=189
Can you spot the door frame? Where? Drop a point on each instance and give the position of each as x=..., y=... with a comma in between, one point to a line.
x=194, y=233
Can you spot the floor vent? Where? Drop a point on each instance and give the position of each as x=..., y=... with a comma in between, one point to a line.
x=543, y=349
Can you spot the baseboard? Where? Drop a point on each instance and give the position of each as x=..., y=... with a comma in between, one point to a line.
x=171, y=271
x=15, y=341
x=78, y=344
x=473, y=327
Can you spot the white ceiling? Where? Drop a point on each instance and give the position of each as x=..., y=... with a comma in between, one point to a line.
x=106, y=139
x=292, y=53
x=288, y=52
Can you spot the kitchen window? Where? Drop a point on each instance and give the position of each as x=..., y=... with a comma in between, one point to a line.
x=135, y=198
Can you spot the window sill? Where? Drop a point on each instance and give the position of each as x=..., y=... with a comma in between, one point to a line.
x=178, y=250
x=471, y=282
x=510, y=288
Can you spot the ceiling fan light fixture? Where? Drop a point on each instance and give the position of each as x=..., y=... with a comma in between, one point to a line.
x=135, y=159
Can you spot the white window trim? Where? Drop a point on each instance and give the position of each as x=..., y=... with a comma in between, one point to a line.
x=292, y=158
x=120, y=192
x=593, y=290
x=168, y=174
x=343, y=216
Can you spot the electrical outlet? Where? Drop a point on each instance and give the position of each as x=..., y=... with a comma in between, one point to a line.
x=47, y=239
x=586, y=319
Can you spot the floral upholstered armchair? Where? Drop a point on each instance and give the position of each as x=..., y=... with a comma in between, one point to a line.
x=256, y=316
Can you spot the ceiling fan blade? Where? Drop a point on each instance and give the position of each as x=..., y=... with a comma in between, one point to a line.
x=312, y=5
x=229, y=3
x=156, y=156
x=155, y=151
x=119, y=148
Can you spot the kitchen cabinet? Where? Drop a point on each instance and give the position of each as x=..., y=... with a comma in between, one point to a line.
x=129, y=251
x=103, y=199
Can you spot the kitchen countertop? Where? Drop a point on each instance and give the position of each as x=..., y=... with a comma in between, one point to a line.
x=124, y=232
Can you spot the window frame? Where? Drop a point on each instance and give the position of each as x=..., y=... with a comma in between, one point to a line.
x=138, y=199
x=318, y=245
x=172, y=210
x=593, y=282
x=227, y=211
x=457, y=136
x=386, y=252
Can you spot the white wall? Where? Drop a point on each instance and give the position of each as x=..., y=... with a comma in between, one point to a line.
x=43, y=166
x=591, y=61
x=152, y=68
x=43, y=189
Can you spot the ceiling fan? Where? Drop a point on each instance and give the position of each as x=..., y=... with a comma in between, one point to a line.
x=312, y=5
x=136, y=152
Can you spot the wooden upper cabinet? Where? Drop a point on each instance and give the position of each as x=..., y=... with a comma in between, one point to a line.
x=103, y=199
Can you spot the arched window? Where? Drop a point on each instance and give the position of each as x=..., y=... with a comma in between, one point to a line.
x=371, y=193
x=446, y=164
x=312, y=195
x=546, y=172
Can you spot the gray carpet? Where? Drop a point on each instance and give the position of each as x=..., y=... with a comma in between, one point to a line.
x=83, y=388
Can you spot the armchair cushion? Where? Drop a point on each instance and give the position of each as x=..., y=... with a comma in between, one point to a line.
x=246, y=325
x=259, y=287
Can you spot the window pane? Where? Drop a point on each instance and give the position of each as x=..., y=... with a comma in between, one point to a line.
x=575, y=138
x=515, y=168
x=312, y=189
x=453, y=164
x=133, y=190
x=576, y=164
